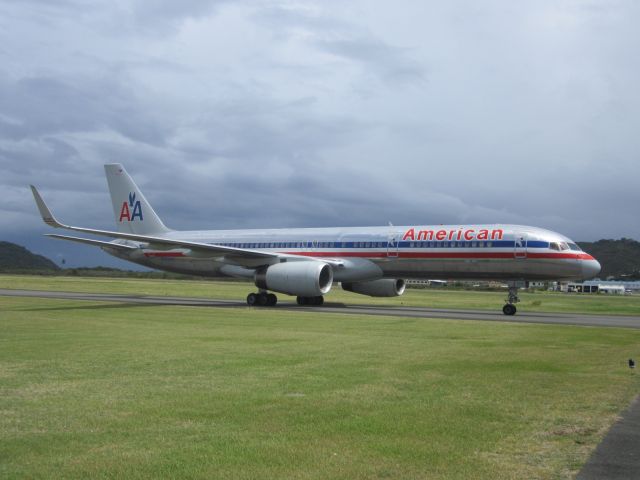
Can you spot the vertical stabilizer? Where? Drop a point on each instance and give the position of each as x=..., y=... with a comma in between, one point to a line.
x=132, y=211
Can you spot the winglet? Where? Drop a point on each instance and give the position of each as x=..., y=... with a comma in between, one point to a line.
x=46, y=214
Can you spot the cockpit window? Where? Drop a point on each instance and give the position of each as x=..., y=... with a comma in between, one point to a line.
x=561, y=246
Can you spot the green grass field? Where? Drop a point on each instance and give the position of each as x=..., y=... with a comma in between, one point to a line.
x=435, y=298
x=104, y=390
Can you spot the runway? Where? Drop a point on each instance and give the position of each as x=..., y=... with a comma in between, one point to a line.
x=522, y=316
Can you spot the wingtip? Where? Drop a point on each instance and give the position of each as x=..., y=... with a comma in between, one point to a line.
x=45, y=213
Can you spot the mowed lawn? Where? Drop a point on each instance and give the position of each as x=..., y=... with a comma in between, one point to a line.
x=433, y=297
x=104, y=390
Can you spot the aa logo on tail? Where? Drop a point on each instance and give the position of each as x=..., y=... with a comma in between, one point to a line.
x=131, y=210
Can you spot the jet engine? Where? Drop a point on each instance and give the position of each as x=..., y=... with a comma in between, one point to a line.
x=304, y=278
x=385, y=287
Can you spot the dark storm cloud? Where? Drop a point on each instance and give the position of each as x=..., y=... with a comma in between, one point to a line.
x=38, y=106
x=160, y=16
x=392, y=64
x=388, y=62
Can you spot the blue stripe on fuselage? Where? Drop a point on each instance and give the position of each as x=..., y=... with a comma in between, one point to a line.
x=383, y=244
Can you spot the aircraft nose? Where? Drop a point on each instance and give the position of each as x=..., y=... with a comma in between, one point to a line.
x=590, y=268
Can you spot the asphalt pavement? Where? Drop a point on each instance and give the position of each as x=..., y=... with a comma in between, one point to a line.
x=522, y=316
x=618, y=455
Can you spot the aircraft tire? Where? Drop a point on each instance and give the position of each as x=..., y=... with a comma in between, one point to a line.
x=315, y=301
x=509, y=309
x=271, y=300
x=252, y=299
x=263, y=299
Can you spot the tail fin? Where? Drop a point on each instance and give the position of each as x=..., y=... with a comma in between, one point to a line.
x=133, y=212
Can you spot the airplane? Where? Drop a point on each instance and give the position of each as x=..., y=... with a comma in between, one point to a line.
x=306, y=262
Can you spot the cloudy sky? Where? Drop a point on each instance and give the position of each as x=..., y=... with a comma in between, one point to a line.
x=243, y=114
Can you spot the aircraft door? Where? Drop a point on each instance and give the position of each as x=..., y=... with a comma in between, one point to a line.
x=520, y=246
x=393, y=244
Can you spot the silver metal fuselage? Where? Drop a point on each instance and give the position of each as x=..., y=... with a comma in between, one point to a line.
x=472, y=252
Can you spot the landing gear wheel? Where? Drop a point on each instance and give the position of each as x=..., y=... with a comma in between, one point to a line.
x=509, y=309
x=263, y=299
x=315, y=301
x=252, y=299
x=271, y=300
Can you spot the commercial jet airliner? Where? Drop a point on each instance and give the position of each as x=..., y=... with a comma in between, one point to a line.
x=305, y=262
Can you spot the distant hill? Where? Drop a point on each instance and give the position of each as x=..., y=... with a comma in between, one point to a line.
x=14, y=258
x=619, y=258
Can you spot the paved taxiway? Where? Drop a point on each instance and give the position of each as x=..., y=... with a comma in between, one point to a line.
x=413, y=312
x=618, y=455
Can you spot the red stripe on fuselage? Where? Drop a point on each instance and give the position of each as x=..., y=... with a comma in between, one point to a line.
x=444, y=255
x=452, y=255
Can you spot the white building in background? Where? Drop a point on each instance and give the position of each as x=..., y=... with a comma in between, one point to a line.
x=601, y=286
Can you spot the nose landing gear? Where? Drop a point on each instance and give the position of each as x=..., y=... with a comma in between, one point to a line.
x=510, y=308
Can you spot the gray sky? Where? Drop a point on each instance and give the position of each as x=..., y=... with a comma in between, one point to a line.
x=308, y=113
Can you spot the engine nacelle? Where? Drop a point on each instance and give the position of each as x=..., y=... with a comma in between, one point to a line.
x=385, y=287
x=303, y=278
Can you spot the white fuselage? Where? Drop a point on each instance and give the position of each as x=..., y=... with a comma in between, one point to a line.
x=474, y=252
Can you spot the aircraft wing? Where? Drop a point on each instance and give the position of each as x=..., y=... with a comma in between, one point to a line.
x=88, y=241
x=161, y=243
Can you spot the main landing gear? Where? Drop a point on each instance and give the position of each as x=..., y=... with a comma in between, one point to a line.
x=510, y=308
x=317, y=301
x=266, y=299
x=261, y=299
